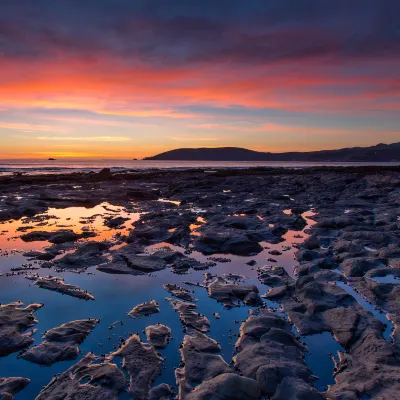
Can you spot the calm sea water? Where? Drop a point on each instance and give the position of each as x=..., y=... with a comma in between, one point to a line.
x=31, y=166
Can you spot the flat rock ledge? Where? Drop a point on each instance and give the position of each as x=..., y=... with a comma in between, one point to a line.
x=90, y=379
x=206, y=375
x=158, y=335
x=58, y=285
x=179, y=292
x=188, y=315
x=142, y=363
x=269, y=353
x=61, y=343
x=14, y=321
x=11, y=386
x=144, y=310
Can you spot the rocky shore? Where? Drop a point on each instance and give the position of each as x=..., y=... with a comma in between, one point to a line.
x=342, y=226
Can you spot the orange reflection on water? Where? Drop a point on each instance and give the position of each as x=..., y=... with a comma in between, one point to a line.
x=78, y=219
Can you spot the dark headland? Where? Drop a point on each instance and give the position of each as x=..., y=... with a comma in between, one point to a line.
x=379, y=153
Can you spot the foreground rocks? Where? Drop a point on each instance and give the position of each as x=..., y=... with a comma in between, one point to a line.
x=179, y=292
x=230, y=294
x=270, y=354
x=144, y=309
x=58, y=237
x=188, y=315
x=158, y=335
x=130, y=259
x=11, y=386
x=142, y=363
x=58, y=285
x=14, y=321
x=89, y=379
x=61, y=343
x=355, y=241
x=206, y=374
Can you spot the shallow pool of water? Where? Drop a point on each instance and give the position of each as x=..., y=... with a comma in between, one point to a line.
x=116, y=295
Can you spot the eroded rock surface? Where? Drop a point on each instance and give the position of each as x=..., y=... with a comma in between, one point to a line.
x=11, y=386
x=90, y=379
x=188, y=315
x=269, y=353
x=14, y=322
x=142, y=363
x=61, y=343
x=58, y=285
x=230, y=294
x=144, y=309
x=57, y=237
x=201, y=362
x=179, y=292
x=158, y=335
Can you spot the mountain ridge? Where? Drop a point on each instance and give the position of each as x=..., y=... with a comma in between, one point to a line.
x=378, y=153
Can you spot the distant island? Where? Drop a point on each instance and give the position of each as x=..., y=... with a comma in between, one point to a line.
x=52, y=159
x=379, y=153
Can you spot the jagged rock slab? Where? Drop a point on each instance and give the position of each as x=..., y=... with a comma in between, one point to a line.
x=268, y=352
x=14, y=321
x=11, y=386
x=161, y=392
x=89, y=379
x=142, y=363
x=230, y=294
x=61, y=343
x=57, y=237
x=144, y=309
x=87, y=255
x=188, y=315
x=58, y=285
x=158, y=335
x=179, y=292
x=227, y=387
x=201, y=362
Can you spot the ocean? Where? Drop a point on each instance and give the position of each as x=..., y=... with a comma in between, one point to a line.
x=36, y=167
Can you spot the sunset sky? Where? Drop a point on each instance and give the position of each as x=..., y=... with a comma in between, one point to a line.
x=132, y=78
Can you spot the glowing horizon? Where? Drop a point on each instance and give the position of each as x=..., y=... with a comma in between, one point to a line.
x=133, y=81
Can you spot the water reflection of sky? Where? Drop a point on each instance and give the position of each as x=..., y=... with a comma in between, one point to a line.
x=117, y=294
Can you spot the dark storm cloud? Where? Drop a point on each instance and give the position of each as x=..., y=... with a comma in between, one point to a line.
x=171, y=32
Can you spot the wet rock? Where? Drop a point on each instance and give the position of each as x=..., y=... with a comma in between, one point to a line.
x=275, y=276
x=179, y=292
x=86, y=255
x=57, y=237
x=90, y=379
x=369, y=369
x=268, y=352
x=14, y=321
x=58, y=285
x=226, y=387
x=188, y=315
x=358, y=266
x=143, y=194
x=295, y=389
x=142, y=363
x=11, y=386
x=165, y=226
x=144, y=309
x=201, y=362
x=158, y=335
x=61, y=343
x=229, y=243
x=230, y=293
x=128, y=260
x=161, y=392
x=39, y=255
x=115, y=222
